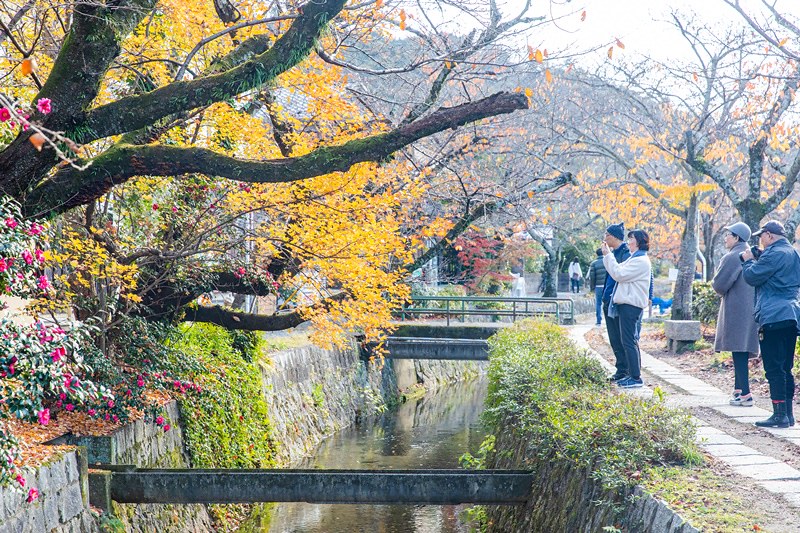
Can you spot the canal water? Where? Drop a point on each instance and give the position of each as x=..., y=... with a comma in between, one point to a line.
x=431, y=432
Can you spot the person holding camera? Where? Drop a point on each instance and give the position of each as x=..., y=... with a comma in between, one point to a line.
x=629, y=298
x=774, y=271
x=737, y=331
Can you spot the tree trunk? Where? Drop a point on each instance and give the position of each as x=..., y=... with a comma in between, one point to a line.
x=682, y=299
x=550, y=272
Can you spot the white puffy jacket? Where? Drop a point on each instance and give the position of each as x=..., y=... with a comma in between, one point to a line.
x=632, y=277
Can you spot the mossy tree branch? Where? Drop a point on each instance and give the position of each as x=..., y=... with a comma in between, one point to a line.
x=121, y=163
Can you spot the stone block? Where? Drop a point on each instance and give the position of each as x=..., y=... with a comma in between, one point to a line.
x=70, y=502
x=34, y=518
x=682, y=330
x=50, y=508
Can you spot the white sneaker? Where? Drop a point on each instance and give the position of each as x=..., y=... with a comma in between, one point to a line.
x=741, y=401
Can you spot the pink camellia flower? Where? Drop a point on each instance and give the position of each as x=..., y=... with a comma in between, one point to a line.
x=69, y=407
x=5, y=114
x=39, y=255
x=20, y=480
x=115, y=418
x=91, y=412
x=35, y=229
x=160, y=420
x=59, y=403
x=62, y=396
x=33, y=494
x=174, y=209
x=3, y=265
x=27, y=257
x=43, y=105
x=140, y=381
x=58, y=353
x=44, y=416
x=110, y=403
x=166, y=427
x=43, y=283
x=11, y=223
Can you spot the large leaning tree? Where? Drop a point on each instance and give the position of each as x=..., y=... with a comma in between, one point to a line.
x=219, y=146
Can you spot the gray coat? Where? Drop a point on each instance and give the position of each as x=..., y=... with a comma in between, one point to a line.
x=737, y=330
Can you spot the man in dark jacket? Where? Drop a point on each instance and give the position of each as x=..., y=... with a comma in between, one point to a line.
x=615, y=239
x=776, y=278
x=597, y=282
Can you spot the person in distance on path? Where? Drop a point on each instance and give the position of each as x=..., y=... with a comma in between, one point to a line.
x=597, y=282
x=737, y=331
x=775, y=274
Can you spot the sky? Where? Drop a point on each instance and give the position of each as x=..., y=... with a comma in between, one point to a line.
x=641, y=25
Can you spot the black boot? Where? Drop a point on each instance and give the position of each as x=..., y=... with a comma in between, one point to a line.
x=778, y=418
x=790, y=411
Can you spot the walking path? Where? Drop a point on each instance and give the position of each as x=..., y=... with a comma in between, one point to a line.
x=769, y=472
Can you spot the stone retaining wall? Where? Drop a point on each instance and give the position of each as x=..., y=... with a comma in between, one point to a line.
x=62, y=506
x=566, y=498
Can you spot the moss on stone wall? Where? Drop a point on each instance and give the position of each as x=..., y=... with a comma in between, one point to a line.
x=227, y=425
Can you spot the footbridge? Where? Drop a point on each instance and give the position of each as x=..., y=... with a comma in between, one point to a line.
x=128, y=484
x=456, y=328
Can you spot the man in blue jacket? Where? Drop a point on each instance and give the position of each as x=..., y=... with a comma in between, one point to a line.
x=775, y=274
x=615, y=239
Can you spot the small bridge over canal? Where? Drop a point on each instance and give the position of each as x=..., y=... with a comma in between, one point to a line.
x=456, y=328
x=126, y=484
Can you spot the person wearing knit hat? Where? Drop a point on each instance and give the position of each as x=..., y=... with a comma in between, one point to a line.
x=737, y=331
x=615, y=239
x=617, y=231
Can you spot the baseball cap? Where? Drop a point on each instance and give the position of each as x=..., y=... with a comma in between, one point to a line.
x=773, y=226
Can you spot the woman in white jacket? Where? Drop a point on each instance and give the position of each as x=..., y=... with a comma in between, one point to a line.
x=630, y=298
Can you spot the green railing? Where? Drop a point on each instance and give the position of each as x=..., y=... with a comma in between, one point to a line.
x=460, y=307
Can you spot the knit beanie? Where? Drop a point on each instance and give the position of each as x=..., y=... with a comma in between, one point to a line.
x=617, y=230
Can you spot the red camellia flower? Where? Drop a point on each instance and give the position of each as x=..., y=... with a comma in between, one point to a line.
x=20, y=480
x=159, y=420
x=166, y=427
x=33, y=494
x=69, y=407
x=11, y=223
x=5, y=114
x=155, y=207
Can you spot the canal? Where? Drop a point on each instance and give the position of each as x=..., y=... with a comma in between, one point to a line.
x=431, y=432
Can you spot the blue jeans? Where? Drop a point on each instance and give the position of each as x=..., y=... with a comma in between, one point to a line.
x=598, y=304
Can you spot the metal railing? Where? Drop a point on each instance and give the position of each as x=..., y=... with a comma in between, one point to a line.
x=460, y=307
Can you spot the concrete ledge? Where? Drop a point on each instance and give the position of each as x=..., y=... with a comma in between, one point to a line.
x=409, y=487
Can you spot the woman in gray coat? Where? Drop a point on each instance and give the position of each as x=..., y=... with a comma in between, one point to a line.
x=737, y=331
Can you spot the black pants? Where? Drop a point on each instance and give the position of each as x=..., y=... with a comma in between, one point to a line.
x=612, y=326
x=629, y=316
x=741, y=372
x=777, y=352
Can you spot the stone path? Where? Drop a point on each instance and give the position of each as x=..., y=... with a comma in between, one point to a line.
x=768, y=472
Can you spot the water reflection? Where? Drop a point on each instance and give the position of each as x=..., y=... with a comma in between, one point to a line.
x=431, y=432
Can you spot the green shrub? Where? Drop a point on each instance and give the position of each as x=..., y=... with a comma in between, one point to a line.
x=705, y=302
x=557, y=398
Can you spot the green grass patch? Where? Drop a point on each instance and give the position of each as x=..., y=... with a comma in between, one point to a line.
x=702, y=498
